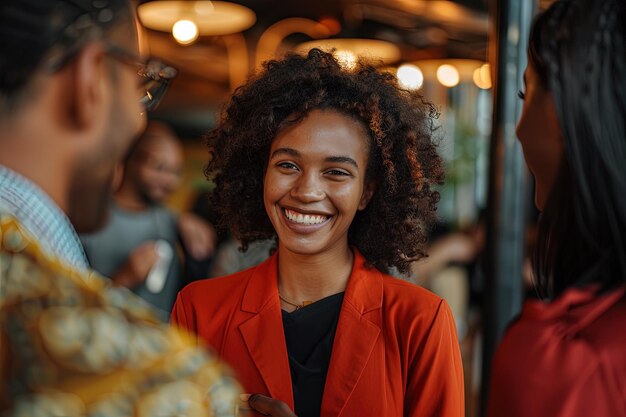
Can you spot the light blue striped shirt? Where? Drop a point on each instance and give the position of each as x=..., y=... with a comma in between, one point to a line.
x=24, y=200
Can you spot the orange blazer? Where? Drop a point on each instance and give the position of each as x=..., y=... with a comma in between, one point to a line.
x=395, y=351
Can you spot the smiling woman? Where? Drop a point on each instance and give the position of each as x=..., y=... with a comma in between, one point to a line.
x=344, y=164
x=315, y=182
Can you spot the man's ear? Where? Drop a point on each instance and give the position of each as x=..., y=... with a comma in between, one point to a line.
x=367, y=195
x=91, y=93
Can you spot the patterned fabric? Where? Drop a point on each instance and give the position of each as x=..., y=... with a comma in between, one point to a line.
x=41, y=217
x=73, y=345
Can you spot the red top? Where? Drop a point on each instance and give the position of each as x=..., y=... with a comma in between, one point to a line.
x=565, y=358
x=395, y=351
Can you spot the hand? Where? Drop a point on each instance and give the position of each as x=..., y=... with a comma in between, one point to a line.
x=457, y=247
x=267, y=406
x=136, y=268
x=198, y=236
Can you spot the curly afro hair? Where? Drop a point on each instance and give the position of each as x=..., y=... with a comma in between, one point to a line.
x=403, y=161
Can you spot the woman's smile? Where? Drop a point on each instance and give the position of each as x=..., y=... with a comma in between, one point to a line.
x=305, y=219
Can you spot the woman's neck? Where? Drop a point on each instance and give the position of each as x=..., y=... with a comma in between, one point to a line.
x=311, y=278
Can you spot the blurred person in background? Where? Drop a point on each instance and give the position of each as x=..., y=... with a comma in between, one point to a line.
x=141, y=231
x=565, y=355
x=230, y=258
x=449, y=270
x=71, y=344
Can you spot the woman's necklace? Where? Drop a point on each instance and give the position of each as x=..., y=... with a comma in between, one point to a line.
x=294, y=304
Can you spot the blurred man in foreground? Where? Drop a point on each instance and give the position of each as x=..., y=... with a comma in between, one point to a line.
x=71, y=101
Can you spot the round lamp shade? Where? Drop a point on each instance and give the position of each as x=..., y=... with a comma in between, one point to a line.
x=369, y=49
x=211, y=17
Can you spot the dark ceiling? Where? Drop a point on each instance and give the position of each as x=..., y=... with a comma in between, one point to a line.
x=422, y=29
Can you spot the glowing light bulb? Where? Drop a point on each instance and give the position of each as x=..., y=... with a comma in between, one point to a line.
x=482, y=77
x=448, y=75
x=347, y=59
x=410, y=76
x=185, y=31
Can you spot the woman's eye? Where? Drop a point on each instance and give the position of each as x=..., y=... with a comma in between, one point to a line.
x=287, y=165
x=521, y=94
x=338, y=172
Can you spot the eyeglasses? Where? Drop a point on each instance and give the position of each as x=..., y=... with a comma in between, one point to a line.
x=155, y=75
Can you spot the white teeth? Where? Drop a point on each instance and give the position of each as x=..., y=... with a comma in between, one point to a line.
x=304, y=219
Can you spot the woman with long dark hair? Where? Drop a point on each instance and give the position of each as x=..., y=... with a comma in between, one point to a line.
x=566, y=355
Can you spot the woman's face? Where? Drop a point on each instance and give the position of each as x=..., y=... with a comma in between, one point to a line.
x=315, y=182
x=540, y=135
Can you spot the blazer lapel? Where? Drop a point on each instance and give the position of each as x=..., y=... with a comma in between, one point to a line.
x=356, y=335
x=263, y=332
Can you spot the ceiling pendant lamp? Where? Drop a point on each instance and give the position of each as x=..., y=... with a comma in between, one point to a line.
x=187, y=20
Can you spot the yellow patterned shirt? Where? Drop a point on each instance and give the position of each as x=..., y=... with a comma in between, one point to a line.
x=71, y=344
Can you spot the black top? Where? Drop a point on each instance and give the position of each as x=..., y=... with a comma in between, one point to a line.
x=309, y=333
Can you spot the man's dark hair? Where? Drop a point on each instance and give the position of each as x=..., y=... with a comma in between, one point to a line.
x=50, y=32
x=403, y=162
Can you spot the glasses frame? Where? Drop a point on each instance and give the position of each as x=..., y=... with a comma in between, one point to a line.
x=156, y=75
x=89, y=27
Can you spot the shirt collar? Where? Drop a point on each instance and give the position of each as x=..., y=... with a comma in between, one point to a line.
x=28, y=203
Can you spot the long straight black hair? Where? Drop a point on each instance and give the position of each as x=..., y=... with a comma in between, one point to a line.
x=577, y=48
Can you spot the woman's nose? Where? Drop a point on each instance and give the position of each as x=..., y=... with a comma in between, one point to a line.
x=308, y=188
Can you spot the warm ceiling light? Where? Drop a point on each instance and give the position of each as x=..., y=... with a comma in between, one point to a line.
x=370, y=49
x=346, y=59
x=212, y=18
x=332, y=24
x=482, y=77
x=410, y=76
x=450, y=72
x=203, y=7
x=464, y=67
x=448, y=75
x=185, y=31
